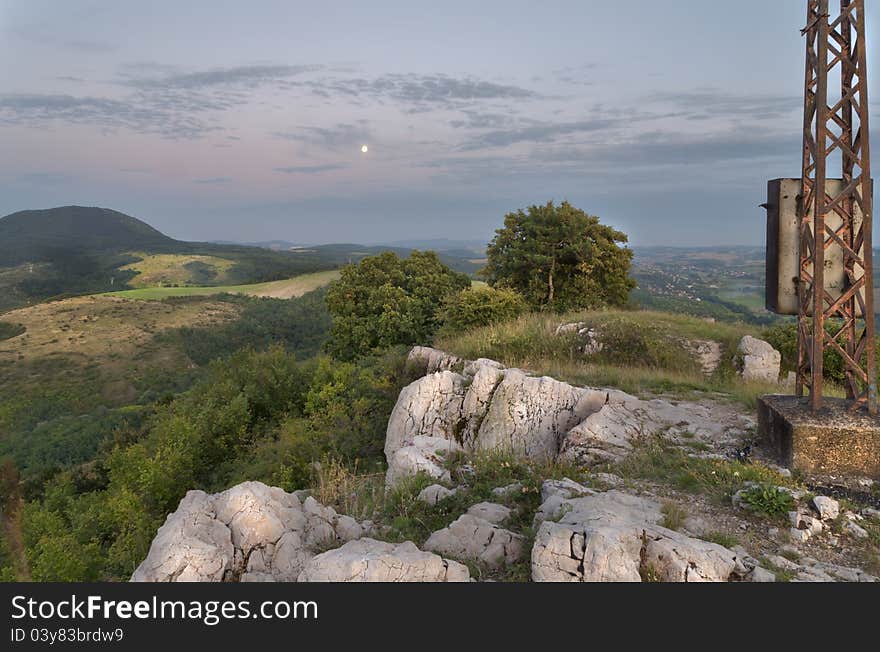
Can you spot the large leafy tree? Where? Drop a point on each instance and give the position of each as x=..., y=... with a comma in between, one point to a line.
x=385, y=300
x=559, y=258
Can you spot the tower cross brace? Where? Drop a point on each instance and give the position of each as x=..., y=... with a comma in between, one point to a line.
x=841, y=320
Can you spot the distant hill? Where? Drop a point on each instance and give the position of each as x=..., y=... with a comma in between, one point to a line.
x=78, y=250
x=36, y=236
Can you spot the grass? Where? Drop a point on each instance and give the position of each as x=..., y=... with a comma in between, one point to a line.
x=284, y=289
x=8, y=330
x=181, y=269
x=645, y=353
x=656, y=460
x=673, y=515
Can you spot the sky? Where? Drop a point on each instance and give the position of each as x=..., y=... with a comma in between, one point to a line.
x=245, y=121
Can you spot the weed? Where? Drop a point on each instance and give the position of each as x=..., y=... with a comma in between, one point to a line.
x=769, y=499
x=722, y=539
x=673, y=515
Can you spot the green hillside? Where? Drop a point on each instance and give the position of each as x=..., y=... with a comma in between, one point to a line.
x=75, y=250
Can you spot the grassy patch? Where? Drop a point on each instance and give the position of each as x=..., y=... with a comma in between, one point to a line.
x=655, y=459
x=643, y=351
x=284, y=289
x=673, y=515
x=722, y=539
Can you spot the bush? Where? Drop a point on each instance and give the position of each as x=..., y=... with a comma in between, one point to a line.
x=384, y=301
x=768, y=499
x=481, y=306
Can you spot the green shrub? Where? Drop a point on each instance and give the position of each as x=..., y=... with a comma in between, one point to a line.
x=480, y=306
x=768, y=499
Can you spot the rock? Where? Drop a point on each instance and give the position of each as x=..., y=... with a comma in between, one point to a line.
x=565, y=488
x=429, y=361
x=508, y=491
x=804, y=521
x=368, y=560
x=800, y=536
x=570, y=329
x=250, y=532
x=423, y=455
x=607, y=435
x=761, y=575
x=616, y=537
x=608, y=480
x=474, y=538
x=472, y=367
x=828, y=508
x=476, y=402
x=491, y=512
x=871, y=513
x=857, y=531
x=529, y=416
x=783, y=564
x=758, y=361
x=435, y=493
x=429, y=407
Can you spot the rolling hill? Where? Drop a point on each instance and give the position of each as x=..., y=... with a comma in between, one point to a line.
x=75, y=250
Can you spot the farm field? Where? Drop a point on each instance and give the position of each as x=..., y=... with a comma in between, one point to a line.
x=283, y=289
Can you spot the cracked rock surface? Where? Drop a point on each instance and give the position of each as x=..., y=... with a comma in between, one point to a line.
x=489, y=408
x=250, y=532
x=368, y=560
x=616, y=537
x=474, y=538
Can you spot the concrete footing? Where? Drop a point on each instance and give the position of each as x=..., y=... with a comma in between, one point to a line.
x=834, y=441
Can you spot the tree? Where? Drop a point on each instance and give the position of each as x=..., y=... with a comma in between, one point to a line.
x=384, y=301
x=559, y=258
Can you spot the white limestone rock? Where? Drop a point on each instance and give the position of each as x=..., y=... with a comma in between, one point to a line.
x=422, y=455
x=368, y=560
x=491, y=512
x=758, y=361
x=828, y=508
x=429, y=361
x=615, y=537
x=435, y=493
x=474, y=538
x=429, y=407
x=529, y=416
x=250, y=532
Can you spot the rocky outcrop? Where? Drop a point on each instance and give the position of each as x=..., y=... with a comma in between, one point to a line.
x=421, y=455
x=250, y=532
x=368, y=560
x=474, y=537
x=616, y=537
x=758, y=361
x=490, y=408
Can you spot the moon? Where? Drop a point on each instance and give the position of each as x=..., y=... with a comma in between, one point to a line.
x=364, y=149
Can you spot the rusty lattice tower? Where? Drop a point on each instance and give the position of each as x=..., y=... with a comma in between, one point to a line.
x=835, y=214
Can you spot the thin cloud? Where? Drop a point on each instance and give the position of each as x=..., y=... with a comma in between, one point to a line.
x=310, y=169
x=213, y=180
x=336, y=137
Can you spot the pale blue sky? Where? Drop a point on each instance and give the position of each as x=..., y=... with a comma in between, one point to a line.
x=244, y=120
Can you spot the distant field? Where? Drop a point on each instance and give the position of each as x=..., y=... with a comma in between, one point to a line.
x=284, y=289
x=166, y=269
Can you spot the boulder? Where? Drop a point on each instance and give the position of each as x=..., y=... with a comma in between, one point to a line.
x=529, y=416
x=473, y=538
x=758, y=361
x=368, y=560
x=429, y=407
x=476, y=402
x=250, y=532
x=828, y=508
x=429, y=361
x=491, y=512
x=422, y=455
x=616, y=537
x=435, y=493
